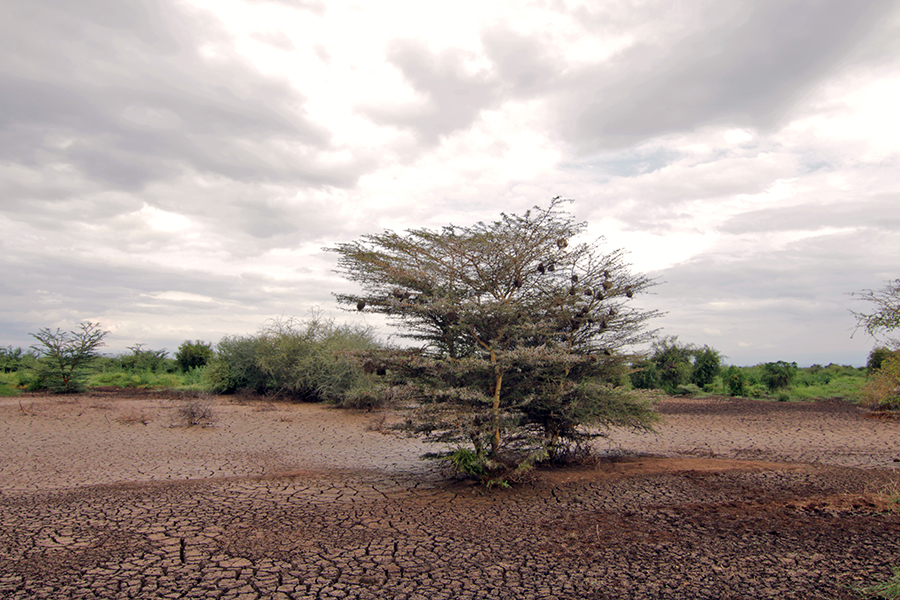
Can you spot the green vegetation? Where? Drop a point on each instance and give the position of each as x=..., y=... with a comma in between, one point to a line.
x=678, y=368
x=193, y=355
x=681, y=369
x=65, y=357
x=523, y=336
x=303, y=360
x=882, y=390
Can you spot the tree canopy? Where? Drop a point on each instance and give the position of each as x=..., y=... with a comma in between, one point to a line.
x=886, y=314
x=521, y=330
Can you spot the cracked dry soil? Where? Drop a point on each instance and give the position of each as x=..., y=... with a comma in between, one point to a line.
x=672, y=525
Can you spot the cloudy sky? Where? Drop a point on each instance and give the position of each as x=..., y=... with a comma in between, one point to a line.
x=173, y=168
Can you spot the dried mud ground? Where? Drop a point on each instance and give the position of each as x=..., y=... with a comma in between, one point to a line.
x=108, y=495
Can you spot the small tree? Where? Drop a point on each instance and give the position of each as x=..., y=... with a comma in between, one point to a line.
x=886, y=314
x=733, y=381
x=707, y=364
x=195, y=354
x=778, y=375
x=877, y=356
x=66, y=355
x=521, y=331
x=673, y=363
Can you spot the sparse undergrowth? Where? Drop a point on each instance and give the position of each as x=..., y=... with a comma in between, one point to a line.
x=195, y=412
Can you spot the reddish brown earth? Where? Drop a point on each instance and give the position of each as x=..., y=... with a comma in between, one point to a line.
x=106, y=496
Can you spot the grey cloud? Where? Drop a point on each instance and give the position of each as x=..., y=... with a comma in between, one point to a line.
x=741, y=64
x=776, y=305
x=40, y=290
x=317, y=8
x=124, y=95
x=453, y=96
x=750, y=70
x=524, y=65
x=877, y=213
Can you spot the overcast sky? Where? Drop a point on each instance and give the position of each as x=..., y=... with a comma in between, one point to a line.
x=173, y=168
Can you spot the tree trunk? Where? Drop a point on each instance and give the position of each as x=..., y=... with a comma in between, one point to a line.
x=498, y=383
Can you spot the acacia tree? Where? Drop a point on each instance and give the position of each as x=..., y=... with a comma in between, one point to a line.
x=66, y=354
x=520, y=330
x=886, y=316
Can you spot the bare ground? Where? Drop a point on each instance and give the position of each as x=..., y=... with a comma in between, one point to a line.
x=110, y=496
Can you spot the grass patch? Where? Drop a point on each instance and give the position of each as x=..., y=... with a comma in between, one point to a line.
x=7, y=390
x=888, y=589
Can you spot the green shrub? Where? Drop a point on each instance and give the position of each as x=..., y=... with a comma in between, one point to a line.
x=707, y=365
x=674, y=365
x=234, y=367
x=778, y=375
x=14, y=359
x=308, y=360
x=733, y=381
x=878, y=356
x=155, y=361
x=194, y=354
x=687, y=389
x=882, y=390
x=644, y=376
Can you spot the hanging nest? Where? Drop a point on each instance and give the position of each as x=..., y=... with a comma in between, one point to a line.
x=629, y=292
x=599, y=295
x=561, y=243
x=551, y=267
x=452, y=317
x=541, y=268
x=612, y=312
x=574, y=278
x=517, y=283
x=607, y=285
x=572, y=291
x=360, y=305
x=588, y=292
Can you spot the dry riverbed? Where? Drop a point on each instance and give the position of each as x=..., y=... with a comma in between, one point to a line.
x=109, y=495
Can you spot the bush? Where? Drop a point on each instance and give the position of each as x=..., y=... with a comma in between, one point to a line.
x=707, y=364
x=882, y=390
x=877, y=356
x=154, y=361
x=197, y=411
x=644, y=376
x=673, y=363
x=234, y=367
x=14, y=359
x=195, y=354
x=305, y=360
x=778, y=375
